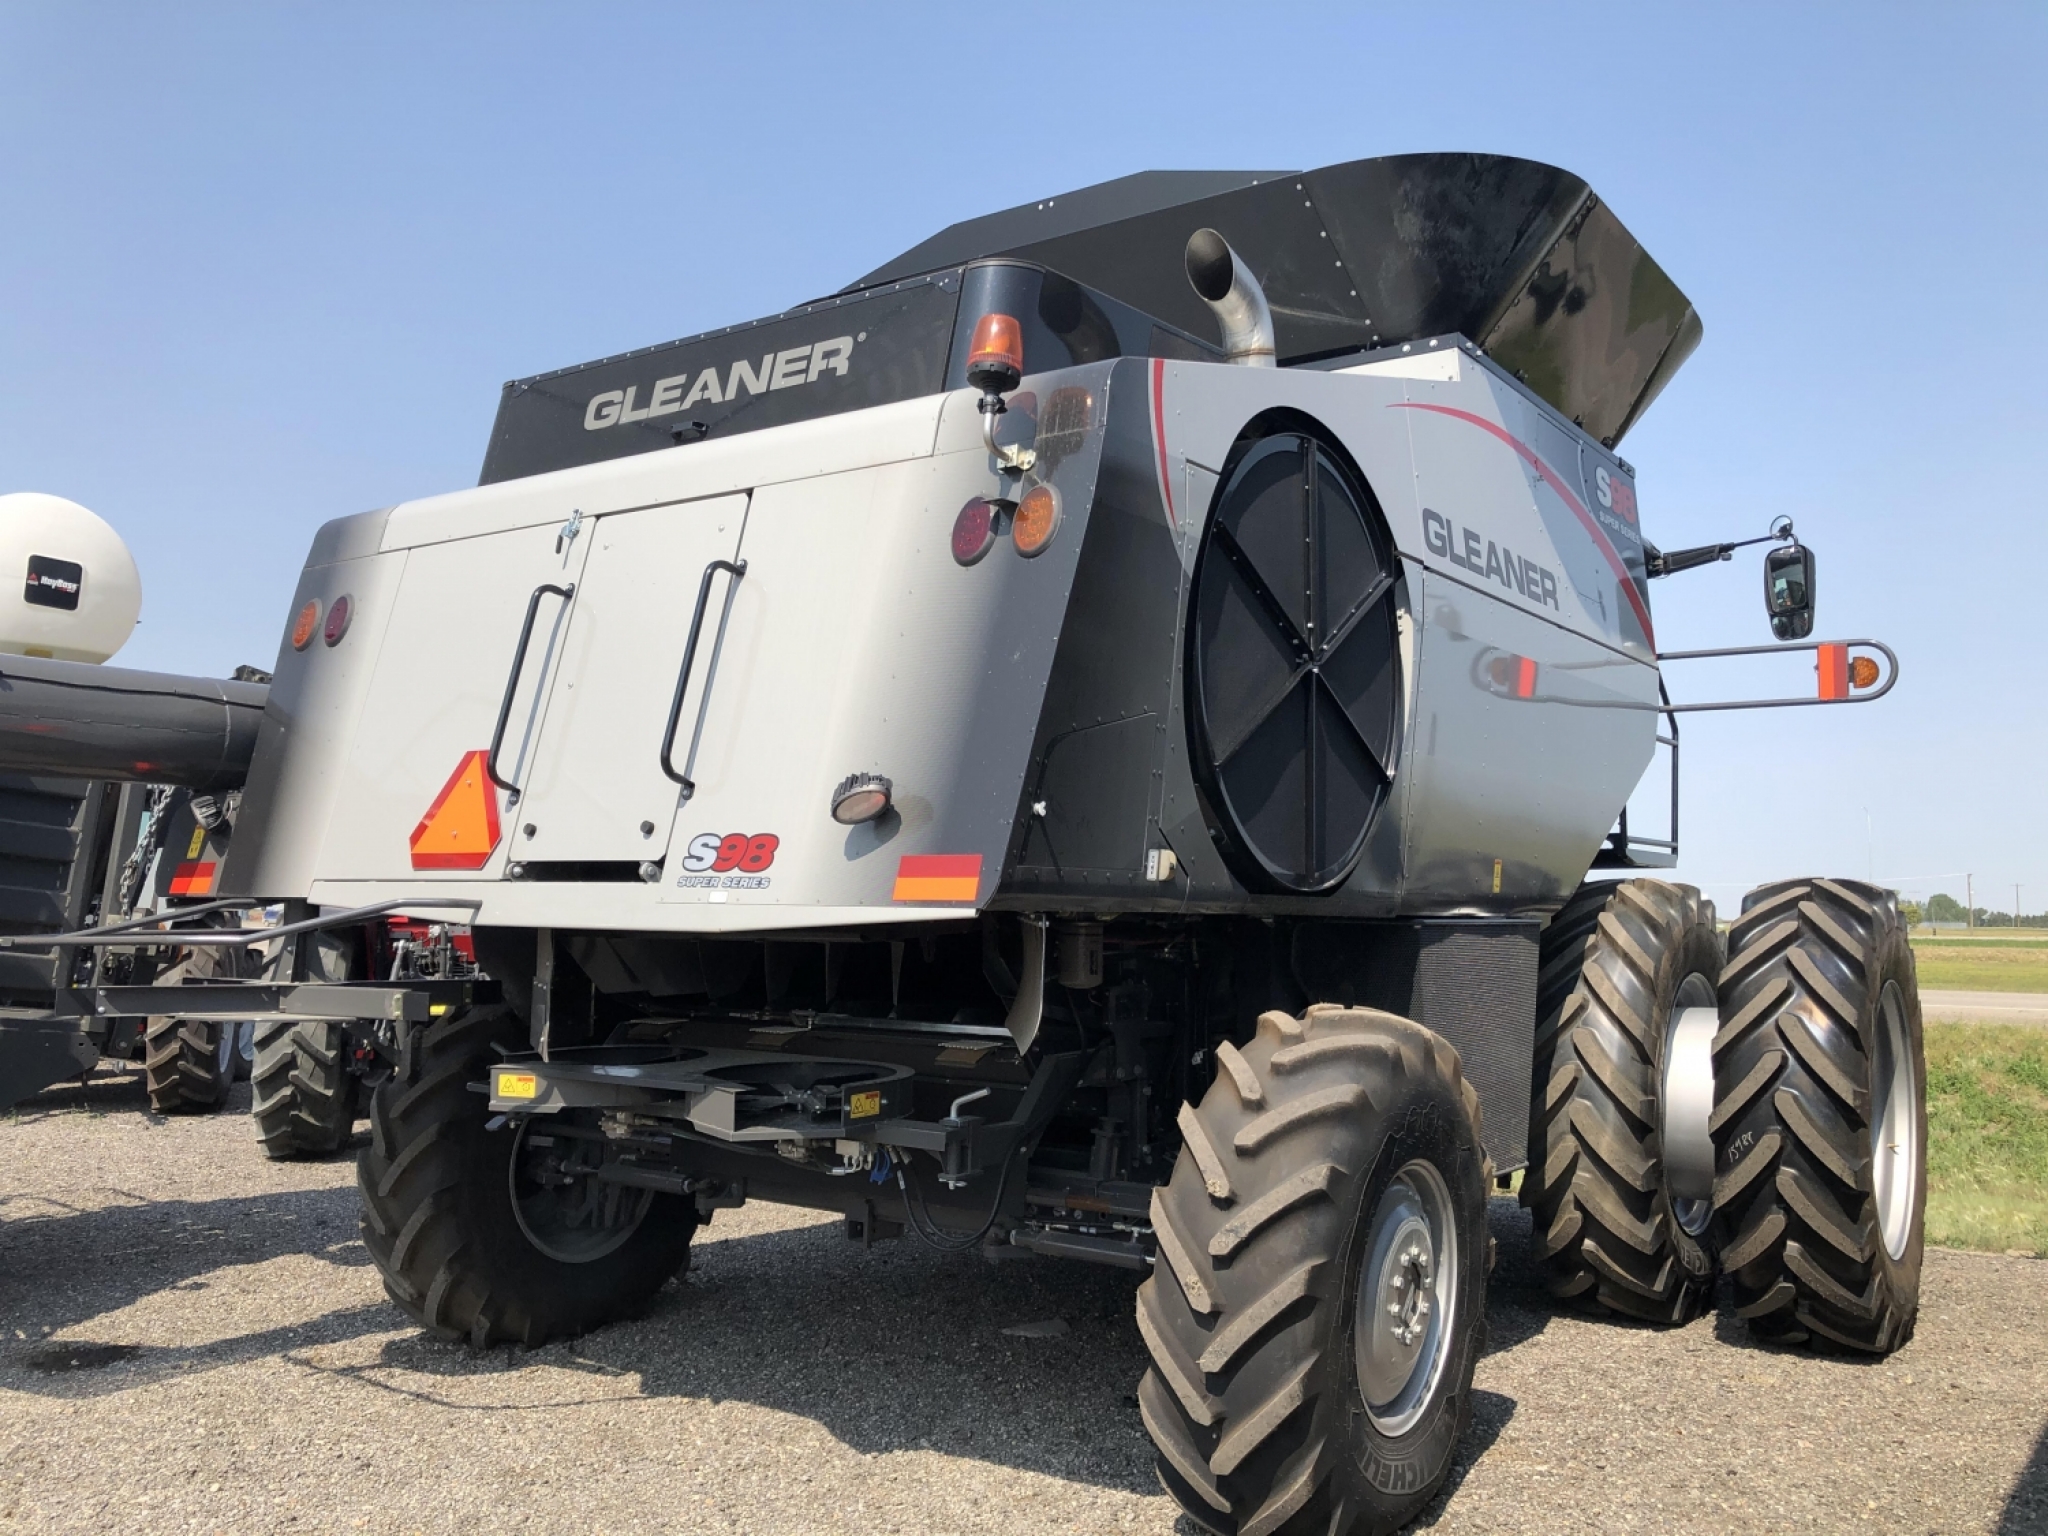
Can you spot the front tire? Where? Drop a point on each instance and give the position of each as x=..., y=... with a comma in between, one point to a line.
x=1820, y=1117
x=303, y=1095
x=1319, y=1299
x=188, y=1065
x=489, y=1235
x=1619, y=1180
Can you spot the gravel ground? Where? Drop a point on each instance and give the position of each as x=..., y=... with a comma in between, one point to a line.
x=193, y=1339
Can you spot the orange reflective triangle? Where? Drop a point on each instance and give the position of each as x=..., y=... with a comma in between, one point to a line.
x=460, y=828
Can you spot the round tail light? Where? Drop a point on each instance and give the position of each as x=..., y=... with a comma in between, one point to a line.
x=1037, y=520
x=974, y=531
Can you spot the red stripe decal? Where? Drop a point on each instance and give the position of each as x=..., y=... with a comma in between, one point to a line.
x=1159, y=436
x=939, y=866
x=1525, y=679
x=1565, y=494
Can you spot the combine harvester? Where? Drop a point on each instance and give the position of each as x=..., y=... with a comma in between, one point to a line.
x=1091, y=741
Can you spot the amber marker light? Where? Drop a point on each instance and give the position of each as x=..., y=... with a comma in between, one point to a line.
x=305, y=624
x=1037, y=520
x=995, y=357
x=1862, y=672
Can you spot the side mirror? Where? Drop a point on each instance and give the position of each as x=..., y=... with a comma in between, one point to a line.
x=1788, y=591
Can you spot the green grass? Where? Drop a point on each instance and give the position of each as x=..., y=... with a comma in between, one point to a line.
x=1982, y=965
x=1987, y=1137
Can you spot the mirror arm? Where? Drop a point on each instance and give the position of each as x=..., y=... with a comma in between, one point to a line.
x=1657, y=562
x=1660, y=562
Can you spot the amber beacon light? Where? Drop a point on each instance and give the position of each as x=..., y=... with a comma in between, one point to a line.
x=995, y=357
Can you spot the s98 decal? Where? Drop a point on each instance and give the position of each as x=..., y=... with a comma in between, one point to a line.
x=721, y=853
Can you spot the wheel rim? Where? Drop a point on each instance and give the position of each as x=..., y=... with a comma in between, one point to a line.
x=1895, y=1133
x=564, y=1209
x=1407, y=1298
x=1686, y=1104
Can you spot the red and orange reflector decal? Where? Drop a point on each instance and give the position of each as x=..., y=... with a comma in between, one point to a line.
x=937, y=877
x=304, y=625
x=1037, y=520
x=193, y=879
x=460, y=829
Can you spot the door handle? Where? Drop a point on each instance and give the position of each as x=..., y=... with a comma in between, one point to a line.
x=675, y=707
x=512, y=682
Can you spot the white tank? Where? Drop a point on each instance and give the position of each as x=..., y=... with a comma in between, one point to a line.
x=68, y=586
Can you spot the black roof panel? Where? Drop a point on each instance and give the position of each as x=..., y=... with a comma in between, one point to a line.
x=1519, y=256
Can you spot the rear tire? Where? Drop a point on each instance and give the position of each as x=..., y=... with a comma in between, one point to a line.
x=459, y=1253
x=1618, y=963
x=1819, y=1065
x=188, y=1065
x=304, y=1097
x=1332, y=1172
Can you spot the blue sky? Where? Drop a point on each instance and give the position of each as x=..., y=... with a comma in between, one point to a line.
x=261, y=266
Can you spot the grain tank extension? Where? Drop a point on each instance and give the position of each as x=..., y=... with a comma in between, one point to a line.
x=1090, y=742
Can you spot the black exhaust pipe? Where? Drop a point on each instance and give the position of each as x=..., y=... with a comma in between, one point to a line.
x=69, y=719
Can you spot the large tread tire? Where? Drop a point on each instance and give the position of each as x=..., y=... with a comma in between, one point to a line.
x=1607, y=1232
x=438, y=1215
x=1253, y=1397
x=185, y=1069
x=1795, y=1067
x=303, y=1096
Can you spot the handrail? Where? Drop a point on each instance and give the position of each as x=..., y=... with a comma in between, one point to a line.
x=512, y=682
x=675, y=707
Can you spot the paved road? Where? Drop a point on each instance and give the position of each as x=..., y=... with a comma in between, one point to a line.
x=1985, y=1007
x=192, y=1339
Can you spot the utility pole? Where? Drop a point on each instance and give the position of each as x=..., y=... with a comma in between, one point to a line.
x=2015, y=907
x=1969, y=901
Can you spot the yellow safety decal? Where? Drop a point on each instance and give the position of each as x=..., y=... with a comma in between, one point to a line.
x=198, y=842
x=865, y=1106
x=1496, y=877
x=518, y=1085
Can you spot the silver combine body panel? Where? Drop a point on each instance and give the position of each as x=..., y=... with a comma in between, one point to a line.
x=1029, y=712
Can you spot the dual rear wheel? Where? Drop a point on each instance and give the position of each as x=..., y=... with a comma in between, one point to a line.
x=1761, y=1114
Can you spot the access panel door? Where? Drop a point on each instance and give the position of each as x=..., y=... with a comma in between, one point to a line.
x=600, y=792
x=446, y=659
